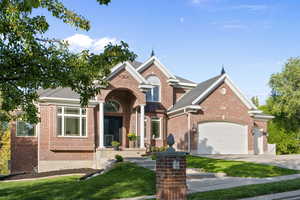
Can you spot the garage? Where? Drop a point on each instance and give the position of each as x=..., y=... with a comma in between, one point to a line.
x=222, y=138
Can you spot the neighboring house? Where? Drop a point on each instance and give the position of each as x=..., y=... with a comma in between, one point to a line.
x=212, y=117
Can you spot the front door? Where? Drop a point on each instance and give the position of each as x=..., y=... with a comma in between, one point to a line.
x=112, y=130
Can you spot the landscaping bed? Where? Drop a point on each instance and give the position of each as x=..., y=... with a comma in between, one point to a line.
x=32, y=175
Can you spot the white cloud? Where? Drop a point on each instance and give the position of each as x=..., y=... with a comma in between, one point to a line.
x=181, y=19
x=79, y=42
x=101, y=43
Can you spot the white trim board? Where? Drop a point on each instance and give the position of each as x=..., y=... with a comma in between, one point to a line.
x=232, y=86
x=155, y=60
x=128, y=67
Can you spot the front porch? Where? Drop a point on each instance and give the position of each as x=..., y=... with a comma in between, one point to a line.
x=121, y=112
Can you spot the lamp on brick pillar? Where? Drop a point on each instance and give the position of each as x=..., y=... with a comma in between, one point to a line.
x=171, y=173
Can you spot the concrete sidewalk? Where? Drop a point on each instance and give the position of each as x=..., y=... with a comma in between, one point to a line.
x=293, y=195
x=208, y=184
x=286, y=161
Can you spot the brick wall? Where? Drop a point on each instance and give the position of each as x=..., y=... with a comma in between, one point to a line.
x=23, y=152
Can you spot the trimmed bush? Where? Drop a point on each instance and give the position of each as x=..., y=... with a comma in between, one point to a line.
x=119, y=158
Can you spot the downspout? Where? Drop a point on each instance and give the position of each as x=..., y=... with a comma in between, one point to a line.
x=38, y=139
x=189, y=131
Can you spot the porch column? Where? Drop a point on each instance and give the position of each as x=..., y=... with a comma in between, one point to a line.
x=142, y=128
x=101, y=124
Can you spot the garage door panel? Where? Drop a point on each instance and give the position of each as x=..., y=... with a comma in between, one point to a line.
x=222, y=138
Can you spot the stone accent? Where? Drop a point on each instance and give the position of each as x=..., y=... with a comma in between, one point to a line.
x=171, y=176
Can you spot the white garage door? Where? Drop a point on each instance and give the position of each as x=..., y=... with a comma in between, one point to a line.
x=222, y=138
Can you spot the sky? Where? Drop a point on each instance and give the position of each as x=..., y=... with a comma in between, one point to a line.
x=252, y=39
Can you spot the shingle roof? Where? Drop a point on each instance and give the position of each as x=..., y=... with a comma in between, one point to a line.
x=183, y=80
x=59, y=93
x=189, y=97
x=135, y=64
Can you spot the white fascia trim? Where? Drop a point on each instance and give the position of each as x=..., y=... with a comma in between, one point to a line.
x=263, y=116
x=239, y=93
x=134, y=73
x=185, y=85
x=192, y=107
x=254, y=111
x=232, y=86
x=208, y=90
x=128, y=67
x=155, y=60
x=65, y=100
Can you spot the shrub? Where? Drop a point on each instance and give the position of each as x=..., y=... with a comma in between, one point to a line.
x=132, y=137
x=153, y=156
x=115, y=143
x=119, y=158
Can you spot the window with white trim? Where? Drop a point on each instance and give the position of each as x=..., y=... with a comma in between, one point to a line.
x=155, y=127
x=24, y=129
x=71, y=122
x=153, y=94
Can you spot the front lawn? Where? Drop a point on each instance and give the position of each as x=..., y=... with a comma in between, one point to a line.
x=237, y=168
x=247, y=191
x=124, y=180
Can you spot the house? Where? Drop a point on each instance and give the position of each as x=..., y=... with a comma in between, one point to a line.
x=212, y=117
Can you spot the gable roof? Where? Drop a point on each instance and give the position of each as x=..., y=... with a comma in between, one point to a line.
x=183, y=80
x=155, y=60
x=58, y=93
x=202, y=90
x=189, y=97
x=128, y=67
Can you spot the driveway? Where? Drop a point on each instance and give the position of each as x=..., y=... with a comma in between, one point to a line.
x=285, y=161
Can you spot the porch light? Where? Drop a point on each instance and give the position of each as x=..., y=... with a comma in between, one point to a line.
x=194, y=128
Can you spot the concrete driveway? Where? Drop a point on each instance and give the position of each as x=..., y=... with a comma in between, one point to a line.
x=285, y=161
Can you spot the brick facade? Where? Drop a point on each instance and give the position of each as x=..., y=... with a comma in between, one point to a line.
x=48, y=151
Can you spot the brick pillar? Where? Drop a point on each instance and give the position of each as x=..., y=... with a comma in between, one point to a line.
x=171, y=176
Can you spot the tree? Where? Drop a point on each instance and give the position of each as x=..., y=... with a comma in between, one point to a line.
x=285, y=99
x=29, y=60
x=255, y=101
x=284, y=104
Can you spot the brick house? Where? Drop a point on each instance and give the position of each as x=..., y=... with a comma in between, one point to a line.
x=212, y=117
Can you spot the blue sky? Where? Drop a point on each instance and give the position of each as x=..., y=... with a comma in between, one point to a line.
x=194, y=38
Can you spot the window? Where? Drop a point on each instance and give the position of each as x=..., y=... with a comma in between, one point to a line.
x=71, y=121
x=155, y=128
x=112, y=106
x=25, y=129
x=153, y=94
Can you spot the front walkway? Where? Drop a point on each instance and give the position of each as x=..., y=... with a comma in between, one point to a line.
x=293, y=195
x=285, y=161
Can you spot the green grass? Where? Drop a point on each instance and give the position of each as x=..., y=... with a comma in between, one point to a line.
x=124, y=180
x=237, y=168
x=247, y=191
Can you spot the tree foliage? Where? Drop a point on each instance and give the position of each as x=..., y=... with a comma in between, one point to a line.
x=284, y=104
x=29, y=60
x=255, y=101
x=4, y=150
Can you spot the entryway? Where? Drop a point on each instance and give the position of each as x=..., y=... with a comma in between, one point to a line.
x=112, y=130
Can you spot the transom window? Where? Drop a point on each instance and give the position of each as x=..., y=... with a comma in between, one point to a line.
x=112, y=106
x=153, y=94
x=155, y=127
x=25, y=129
x=71, y=121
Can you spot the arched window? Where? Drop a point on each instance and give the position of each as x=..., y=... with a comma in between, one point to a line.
x=153, y=94
x=112, y=106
